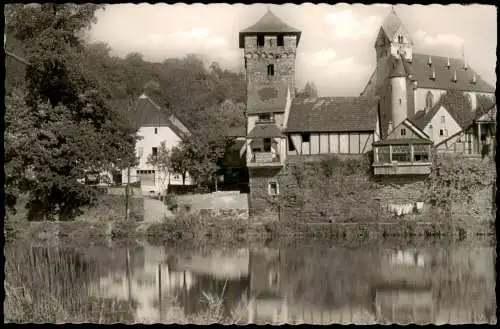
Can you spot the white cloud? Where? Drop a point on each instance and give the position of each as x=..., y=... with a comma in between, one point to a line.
x=347, y=25
x=323, y=56
x=440, y=39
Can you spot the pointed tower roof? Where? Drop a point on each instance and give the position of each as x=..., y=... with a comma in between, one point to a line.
x=269, y=23
x=392, y=24
x=398, y=68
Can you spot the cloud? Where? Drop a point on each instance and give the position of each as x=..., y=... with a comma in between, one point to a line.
x=323, y=56
x=347, y=25
x=440, y=39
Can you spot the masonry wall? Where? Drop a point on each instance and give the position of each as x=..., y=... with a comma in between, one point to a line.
x=309, y=194
x=260, y=202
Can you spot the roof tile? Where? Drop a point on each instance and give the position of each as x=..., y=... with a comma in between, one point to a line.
x=332, y=114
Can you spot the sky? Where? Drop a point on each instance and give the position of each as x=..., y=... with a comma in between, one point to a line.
x=336, y=49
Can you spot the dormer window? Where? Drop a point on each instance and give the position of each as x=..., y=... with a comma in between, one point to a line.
x=270, y=70
x=265, y=117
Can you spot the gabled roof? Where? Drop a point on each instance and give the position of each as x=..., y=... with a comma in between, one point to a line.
x=459, y=113
x=392, y=24
x=269, y=99
x=422, y=72
x=486, y=113
x=145, y=112
x=326, y=114
x=265, y=130
x=269, y=23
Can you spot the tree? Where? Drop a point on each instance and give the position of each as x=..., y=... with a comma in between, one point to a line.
x=68, y=128
x=161, y=162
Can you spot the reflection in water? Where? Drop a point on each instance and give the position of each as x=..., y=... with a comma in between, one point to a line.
x=446, y=284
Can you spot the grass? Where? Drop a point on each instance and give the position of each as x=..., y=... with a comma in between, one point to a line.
x=65, y=298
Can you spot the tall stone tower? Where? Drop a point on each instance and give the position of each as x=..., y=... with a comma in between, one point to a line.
x=269, y=49
x=394, y=49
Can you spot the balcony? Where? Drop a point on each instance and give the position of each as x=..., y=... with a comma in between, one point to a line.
x=402, y=159
x=264, y=159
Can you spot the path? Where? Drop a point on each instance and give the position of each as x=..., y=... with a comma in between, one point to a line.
x=155, y=210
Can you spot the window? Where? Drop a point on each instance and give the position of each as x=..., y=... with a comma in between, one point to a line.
x=306, y=137
x=403, y=132
x=267, y=144
x=445, y=132
x=271, y=42
x=260, y=40
x=429, y=100
x=443, y=119
x=441, y=132
x=155, y=151
x=270, y=70
x=265, y=117
x=400, y=39
x=280, y=41
x=400, y=101
x=156, y=131
x=401, y=153
x=273, y=188
x=291, y=146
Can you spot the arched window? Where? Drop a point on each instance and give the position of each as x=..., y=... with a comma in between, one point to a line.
x=429, y=100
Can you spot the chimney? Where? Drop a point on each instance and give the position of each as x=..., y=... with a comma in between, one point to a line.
x=454, y=76
x=465, y=66
x=429, y=61
x=433, y=75
x=474, y=79
x=390, y=127
x=448, y=64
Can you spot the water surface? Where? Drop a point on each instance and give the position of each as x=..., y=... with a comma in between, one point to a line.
x=308, y=284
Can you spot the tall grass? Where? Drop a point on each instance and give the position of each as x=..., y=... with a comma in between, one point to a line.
x=50, y=286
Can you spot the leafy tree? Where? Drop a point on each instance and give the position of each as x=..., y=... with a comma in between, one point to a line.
x=68, y=127
x=162, y=163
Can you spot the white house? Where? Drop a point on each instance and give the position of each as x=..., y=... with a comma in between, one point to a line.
x=154, y=127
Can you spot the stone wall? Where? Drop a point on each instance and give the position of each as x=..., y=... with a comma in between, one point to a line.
x=259, y=200
x=308, y=196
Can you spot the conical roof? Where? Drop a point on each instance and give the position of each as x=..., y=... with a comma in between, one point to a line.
x=398, y=69
x=269, y=23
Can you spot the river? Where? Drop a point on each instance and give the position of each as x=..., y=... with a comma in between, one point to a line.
x=300, y=283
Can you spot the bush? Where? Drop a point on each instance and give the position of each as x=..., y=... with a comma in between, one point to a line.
x=171, y=202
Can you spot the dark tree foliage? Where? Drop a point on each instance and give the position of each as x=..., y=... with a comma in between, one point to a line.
x=59, y=127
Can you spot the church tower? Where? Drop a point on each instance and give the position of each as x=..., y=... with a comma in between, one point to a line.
x=394, y=51
x=269, y=51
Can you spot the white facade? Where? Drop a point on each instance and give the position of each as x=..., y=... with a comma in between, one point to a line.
x=441, y=126
x=152, y=179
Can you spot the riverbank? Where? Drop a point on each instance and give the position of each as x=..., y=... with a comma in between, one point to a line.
x=229, y=230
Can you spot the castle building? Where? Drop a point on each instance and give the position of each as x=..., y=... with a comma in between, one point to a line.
x=408, y=87
x=398, y=115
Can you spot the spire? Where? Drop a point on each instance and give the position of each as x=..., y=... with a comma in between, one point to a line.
x=392, y=24
x=448, y=64
x=433, y=74
x=429, y=61
x=455, y=76
x=474, y=78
